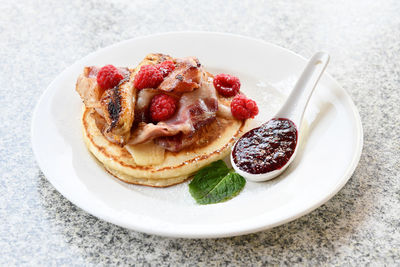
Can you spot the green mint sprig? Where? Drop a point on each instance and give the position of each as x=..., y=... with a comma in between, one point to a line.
x=215, y=183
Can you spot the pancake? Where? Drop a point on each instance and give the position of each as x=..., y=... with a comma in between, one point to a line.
x=176, y=167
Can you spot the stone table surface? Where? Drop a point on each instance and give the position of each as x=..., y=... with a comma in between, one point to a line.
x=360, y=225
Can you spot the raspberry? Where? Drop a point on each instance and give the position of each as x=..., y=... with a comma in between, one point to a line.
x=243, y=108
x=148, y=77
x=165, y=67
x=162, y=107
x=108, y=77
x=227, y=85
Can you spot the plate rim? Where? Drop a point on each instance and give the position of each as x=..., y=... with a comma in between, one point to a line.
x=209, y=234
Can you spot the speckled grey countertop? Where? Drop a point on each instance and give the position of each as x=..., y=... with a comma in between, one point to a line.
x=360, y=225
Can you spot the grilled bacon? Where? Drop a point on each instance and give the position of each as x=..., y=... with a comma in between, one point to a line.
x=195, y=109
x=124, y=111
x=186, y=76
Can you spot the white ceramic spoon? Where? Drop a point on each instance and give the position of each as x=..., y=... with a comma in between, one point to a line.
x=292, y=110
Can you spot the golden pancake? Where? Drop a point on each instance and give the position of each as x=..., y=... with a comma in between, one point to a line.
x=176, y=167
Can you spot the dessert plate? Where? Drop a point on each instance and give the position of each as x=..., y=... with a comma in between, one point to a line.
x=329, y=150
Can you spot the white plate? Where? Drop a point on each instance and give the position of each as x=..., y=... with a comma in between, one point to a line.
x=267, y=72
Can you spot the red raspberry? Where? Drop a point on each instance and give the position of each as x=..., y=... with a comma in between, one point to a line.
x=148, y=77
x=227, y=85
x=243, y=108
x=166, y=67
x=162, y=107
x=108, y=77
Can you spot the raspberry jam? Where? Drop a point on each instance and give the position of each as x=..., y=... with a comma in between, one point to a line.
x=266, y=148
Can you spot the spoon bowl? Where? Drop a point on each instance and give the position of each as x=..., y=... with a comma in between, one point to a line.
x=261, y=177
x=266, y=159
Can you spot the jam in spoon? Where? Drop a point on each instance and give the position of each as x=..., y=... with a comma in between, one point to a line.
x=266, y=151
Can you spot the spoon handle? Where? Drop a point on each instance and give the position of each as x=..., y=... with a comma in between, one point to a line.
x=297, y=101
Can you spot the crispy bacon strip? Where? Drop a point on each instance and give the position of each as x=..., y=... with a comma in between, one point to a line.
x=87, y=87
x=186, y=76
x=124, y=112
x=195, y=109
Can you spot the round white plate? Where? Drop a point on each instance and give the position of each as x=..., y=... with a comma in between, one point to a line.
x=329, y=152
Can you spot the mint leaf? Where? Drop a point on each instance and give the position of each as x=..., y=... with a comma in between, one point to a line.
x=207, y=178
x=215, y=183
x=229, y=186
